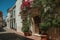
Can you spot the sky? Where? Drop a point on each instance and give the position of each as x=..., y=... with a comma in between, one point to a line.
x=5, y=4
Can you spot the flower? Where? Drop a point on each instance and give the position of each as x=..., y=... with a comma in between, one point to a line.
x=25, y=3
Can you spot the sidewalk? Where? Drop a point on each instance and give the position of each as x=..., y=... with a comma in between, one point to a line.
x=31, y=37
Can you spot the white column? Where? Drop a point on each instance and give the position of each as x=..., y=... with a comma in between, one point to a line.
x=18, y=18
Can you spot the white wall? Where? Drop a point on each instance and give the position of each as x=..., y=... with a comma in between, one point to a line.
x=18, y=18
x=8, y=19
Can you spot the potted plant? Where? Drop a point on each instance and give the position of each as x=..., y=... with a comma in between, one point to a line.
x=26, y=27
x=25, y=30
x=44, y=27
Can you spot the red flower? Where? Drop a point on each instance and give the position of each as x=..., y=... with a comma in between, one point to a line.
x=25, y=3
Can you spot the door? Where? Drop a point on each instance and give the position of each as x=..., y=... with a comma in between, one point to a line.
x=36, y=22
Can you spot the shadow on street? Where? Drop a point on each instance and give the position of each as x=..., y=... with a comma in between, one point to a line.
x=12, y=36
x=2, y=30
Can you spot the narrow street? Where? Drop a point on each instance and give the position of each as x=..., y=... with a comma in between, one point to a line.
x=6, y=35
x=29, y=19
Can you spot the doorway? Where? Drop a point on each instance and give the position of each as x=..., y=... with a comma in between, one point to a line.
x=37, y=21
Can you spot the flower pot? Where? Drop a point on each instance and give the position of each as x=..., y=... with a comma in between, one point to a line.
x=26, y=33
x=44, y=37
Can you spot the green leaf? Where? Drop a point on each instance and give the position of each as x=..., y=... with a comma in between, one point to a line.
x=43, y=26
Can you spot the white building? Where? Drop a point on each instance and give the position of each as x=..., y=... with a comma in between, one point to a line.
x=8, y=19
x=18, y=17
x=11, y=17
x=14, y=20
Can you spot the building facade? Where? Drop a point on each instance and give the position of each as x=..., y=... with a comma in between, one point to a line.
x=8, y=19
x=18, y=16
x=11, y=23
x=14, y=20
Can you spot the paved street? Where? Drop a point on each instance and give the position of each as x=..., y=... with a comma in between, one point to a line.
x=5, y=35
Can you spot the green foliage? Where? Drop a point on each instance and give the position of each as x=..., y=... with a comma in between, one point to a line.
x=25, y=27
x=58, y=19
x=44, y=26
x=46, y=14
x=54, y=23
x=26, y=24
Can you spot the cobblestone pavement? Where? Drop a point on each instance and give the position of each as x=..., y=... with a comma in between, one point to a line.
x=4, y=35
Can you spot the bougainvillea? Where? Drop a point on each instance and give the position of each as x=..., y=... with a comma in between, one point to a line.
x=25, y=3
